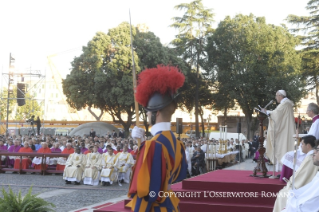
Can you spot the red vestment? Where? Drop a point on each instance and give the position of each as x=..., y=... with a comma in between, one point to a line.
x=26, y=162
x=65, y=151
x=42, y=150
x=87, y=151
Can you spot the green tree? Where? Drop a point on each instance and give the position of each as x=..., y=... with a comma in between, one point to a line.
x=253, y=60
x=222, y=100
x=310, y=70
x=102, y=78
x=309, y=40
x=205, y=96
x=151, y=52
x=31, y=107
x=194, y=27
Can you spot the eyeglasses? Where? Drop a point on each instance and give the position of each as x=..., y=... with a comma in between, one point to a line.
x=316, y=150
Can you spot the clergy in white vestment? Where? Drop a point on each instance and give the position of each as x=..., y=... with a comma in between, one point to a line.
x=204, y=146
x=281, y=129
x=306, y=198
x=109, y=172
x=303, y=176
x=287, y=159
x=91, y=174
x=123, y=164
x=74, y=167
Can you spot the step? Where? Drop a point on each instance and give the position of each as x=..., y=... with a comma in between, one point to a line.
x=266, y=198
x=224, y=180
x=191, y=206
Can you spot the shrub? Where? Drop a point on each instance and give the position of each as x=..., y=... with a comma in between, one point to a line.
x=30, y=203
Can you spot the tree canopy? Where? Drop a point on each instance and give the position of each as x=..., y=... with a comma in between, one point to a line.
x=31, y=107
x=194, y=27
x=102, y=76
x=310, y=43
x=253, y=60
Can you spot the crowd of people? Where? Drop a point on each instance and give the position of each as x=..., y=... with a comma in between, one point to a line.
x=92, y=159
x=104, y=157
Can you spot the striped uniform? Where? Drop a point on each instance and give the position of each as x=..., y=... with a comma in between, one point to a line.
x=160, y=162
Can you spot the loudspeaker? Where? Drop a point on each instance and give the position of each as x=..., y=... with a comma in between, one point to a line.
x=179, y=125
x=20, y=94
x=238, y=127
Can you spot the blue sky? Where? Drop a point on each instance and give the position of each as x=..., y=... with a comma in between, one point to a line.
x=33, y=29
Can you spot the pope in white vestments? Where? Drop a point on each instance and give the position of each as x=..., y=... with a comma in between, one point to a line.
x=109, y=172
x=303, y=176
x=91, y=174
x=280, y=130
x=306, y=198
x=74, y=167
x=123, y=164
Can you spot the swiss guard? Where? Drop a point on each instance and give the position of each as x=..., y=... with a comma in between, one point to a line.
x=161, y=160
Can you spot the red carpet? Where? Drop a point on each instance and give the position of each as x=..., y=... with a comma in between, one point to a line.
x=222, y=190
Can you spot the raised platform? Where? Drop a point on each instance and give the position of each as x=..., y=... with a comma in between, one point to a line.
x=221, y=190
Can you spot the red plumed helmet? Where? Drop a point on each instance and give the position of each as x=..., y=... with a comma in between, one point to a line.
x=157, y=86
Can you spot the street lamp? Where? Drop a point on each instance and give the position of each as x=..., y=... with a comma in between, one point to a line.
x=10, y=90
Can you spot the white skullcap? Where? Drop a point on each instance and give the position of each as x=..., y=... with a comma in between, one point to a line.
x=282, y=92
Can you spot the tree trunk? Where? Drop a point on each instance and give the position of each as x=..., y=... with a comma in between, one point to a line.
x=225, y=117
x=203, y=125
x=98, y=118
x=317, y=90
x=196, y=96
x=248, y=124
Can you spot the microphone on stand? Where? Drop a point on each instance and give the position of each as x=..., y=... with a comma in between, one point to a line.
x=271, y=101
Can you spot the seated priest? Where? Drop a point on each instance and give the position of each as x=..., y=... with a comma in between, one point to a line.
x=287, y=159
x=74, y=167
x=303, y=175
x=109, y=172
x=3, y=148
x=91, y=174
x=14, y=148
x=306, y=198
x=37, y=161
x=123, y=164
x=83, y=148
x=26, y=161
x=198, y=162
x=54, y=149
x=90, y=150
x=62, y=160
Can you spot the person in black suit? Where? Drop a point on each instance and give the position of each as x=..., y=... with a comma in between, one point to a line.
x=198, y=162
x=38, y=123
x=121, y=134
x=92, y=133
x=114, y=134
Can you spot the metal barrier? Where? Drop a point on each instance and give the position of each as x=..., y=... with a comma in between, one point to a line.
x=43, y=169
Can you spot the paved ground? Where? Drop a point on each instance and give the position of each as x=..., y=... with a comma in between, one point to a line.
x=53, y=189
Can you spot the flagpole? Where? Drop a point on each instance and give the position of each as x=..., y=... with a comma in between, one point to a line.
x=134, y=84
